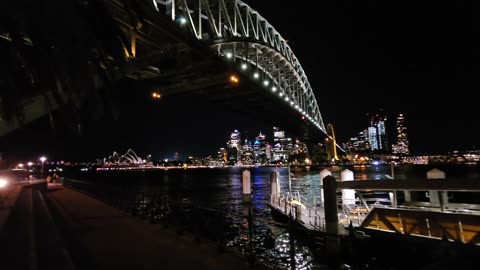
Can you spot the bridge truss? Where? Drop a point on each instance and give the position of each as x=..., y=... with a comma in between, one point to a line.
x=243, y=38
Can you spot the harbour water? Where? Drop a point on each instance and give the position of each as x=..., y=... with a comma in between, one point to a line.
x=221, y=189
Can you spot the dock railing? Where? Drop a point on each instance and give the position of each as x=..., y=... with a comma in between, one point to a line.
x=293, y=205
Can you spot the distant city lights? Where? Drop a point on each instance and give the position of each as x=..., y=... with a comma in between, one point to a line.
x=156, y=95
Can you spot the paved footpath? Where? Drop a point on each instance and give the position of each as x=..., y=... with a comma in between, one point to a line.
x=101, y=237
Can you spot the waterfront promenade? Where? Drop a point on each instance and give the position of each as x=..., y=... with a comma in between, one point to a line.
x=88, y=234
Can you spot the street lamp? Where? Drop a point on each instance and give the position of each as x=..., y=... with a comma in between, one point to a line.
x=42, y=159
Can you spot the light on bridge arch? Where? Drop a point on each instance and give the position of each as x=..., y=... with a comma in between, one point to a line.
x=256, y=75
x=156, y=95
x=274, y=89
x=182, y=20
x=266, y=83
x=229, y=55
x=234, y=79
x=244, y=66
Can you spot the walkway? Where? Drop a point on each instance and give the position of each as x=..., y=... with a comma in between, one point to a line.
x=97, y=236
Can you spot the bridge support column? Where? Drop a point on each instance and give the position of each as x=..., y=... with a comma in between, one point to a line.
x=332, y=239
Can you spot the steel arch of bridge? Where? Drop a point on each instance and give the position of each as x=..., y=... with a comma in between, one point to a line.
x=246, y=39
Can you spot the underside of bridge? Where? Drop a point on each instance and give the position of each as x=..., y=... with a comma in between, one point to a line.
x=75, y=59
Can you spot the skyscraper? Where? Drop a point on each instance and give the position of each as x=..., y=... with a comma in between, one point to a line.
x=401, y=147
x=235, y=140
x=377, y=134
x=259, y=149
x=233, y=148
x=247, y=153
x=372, y=138
x=279, y=144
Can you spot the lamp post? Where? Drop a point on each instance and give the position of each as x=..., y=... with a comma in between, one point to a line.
x=42, y=159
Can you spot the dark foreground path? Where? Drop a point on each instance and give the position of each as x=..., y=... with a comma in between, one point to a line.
x=71, y=230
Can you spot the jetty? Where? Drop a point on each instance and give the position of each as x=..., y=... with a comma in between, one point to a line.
x=430, y=208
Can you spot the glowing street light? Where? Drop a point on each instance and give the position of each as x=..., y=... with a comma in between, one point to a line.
x=156, y=95
x=42, y=159
x=3, y=183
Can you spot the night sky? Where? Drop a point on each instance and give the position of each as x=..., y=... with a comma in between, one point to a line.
x=413, y=58
x=361, y=57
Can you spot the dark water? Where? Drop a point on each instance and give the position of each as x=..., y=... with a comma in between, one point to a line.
x=221, y=189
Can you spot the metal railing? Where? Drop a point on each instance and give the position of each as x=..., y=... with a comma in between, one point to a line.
x=237, y=232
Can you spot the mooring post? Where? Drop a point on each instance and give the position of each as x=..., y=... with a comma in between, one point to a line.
x=437, y=197
x=323, y=173
x=332, y=240
x=291, y=238
x=247, y=202
x=348, y=195
x=274, y=187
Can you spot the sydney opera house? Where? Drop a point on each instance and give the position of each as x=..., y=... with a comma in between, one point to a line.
x=130, y=158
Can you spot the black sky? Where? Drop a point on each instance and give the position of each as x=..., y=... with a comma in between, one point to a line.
x=419, y=59
x=414, y=58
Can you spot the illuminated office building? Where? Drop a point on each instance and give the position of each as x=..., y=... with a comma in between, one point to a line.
x=401, y=147
x=279, y=152
x=246, y=156
x=372, y=138
x=259, y=149
x=377, y=134
x=233, y=148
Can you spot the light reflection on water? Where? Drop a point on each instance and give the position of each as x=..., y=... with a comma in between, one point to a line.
x=222, y=189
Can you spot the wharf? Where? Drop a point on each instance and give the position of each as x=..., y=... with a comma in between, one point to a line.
x=70, y=230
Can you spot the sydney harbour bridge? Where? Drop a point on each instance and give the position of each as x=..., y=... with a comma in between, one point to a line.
x=71, y=56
